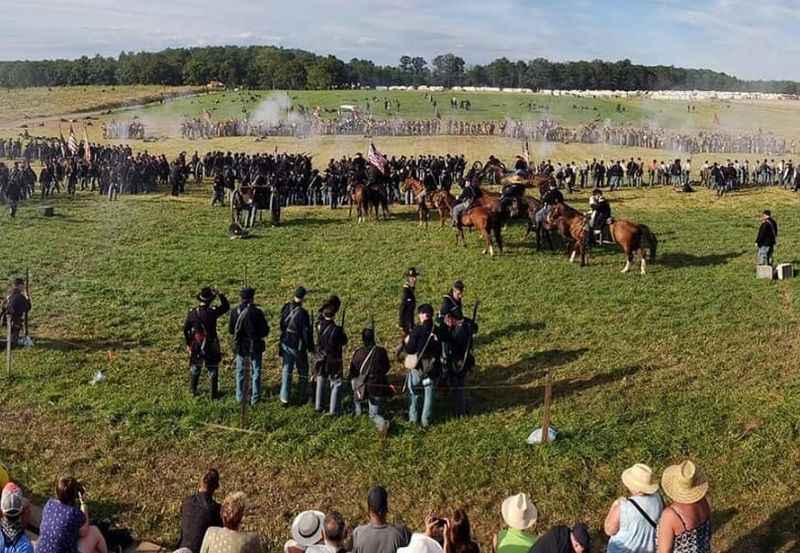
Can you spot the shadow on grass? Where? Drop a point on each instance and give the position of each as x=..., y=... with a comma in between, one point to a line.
x=516, y=328
x=82, y=344
x=679, y=260
x=780, y=530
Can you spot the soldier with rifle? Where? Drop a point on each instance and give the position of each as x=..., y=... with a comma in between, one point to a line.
x=297, y=339
x=424, y=351
x=408, y=307
x=202, y=341
x=368, y=370
x=249, y=328
x=15, y=310
x=458, y=361
x=328, y=365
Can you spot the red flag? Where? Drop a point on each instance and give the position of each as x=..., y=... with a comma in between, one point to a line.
x=63, y=142
x=72, y=142
x=526, y=153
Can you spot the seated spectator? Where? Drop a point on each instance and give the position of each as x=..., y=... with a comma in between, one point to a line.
x=685, y=525
x=519, y=514
x=307, y=530
x=12, y=529
x=377, y=536
x=562, y=539
x=199, y=512
x=458, y=534
x=334, y=533
x=229, y=539
x=631, y=523
x=65, y=528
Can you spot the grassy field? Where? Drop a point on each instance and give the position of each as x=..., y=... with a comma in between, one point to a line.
x=696, y=359
x=164, y=119
x=20, y=104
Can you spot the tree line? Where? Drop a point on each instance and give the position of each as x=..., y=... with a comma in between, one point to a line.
x=269, y=67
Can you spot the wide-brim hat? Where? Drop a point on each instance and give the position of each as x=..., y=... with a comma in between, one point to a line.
x=684, y=483
x=639, y=479
x=519, y=512
x=412, y=272
x=307, y=528
x=420, y=543
x=205, y=295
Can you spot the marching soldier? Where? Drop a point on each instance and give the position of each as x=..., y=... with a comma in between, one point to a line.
x=202, y=341
x=423, y=363
x=17, y=305
x=297, y=339
x=328, y=366
x=408, y=307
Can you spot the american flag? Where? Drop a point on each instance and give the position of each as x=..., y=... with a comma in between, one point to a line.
x=526, y=153
x=63, y=142
x=72, y=142
x=376, y=158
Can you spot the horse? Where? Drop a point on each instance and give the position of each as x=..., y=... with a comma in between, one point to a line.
x=571, y=224
x=539, y=182
x=366, y=200
x=630, y=237
x=439, y=200
x=536, y=226
x=486, y=223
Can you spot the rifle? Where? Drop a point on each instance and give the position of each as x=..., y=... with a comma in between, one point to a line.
x=28, y=294
x=344, y=315
x=471, y=335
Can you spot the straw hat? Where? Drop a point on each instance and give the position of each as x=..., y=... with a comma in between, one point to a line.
x=684, y=483
x=519, y=512
x=307, y=528
x=639, y=479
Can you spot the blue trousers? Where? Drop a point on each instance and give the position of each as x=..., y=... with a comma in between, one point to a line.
x=293, y=359
x=374, y=410
x=335, y=386
x=420, y=391
x=255, y=371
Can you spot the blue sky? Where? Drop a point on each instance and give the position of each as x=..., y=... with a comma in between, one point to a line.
x=751, y=39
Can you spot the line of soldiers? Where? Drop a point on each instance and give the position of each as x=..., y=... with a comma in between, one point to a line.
x=437, y=349
x=133, y=129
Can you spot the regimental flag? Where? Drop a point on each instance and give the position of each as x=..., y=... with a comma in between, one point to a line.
x=716, y=119
x=72, y=142
x=526, y=152
x=63, y=142
x=87, y=148
x=376, y=158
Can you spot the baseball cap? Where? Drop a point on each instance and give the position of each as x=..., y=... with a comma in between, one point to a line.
x=12, y=501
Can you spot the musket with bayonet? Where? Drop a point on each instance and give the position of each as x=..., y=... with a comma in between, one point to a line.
x=471, y=335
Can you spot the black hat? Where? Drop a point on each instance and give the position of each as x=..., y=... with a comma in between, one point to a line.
x=378, y=500
x=768, y=213
x=581, y=535
x=206, y=295
x=458, y=285
x=412, y=272
x=425, y=308
x=300, y=293
x=597, y=191
x=247, y=293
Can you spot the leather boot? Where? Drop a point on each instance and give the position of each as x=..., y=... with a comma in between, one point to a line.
x=195, y=378
x=215, y=385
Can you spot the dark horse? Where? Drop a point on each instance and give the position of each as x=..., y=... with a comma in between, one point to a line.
x=571, y=224
x=367, y=199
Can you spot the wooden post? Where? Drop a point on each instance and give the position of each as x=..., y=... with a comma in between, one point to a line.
x=8, y=345
x=548, y=396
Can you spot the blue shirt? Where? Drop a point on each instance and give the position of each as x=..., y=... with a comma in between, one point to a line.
x=60, y=528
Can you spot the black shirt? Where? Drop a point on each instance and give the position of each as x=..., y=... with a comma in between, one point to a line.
x=556, y=540
x=408, y=306
x=767, y=233
x=198, y=513
x=296, y=330
x=254, y=330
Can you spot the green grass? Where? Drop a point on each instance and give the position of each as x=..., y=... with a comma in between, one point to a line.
x=648, y=368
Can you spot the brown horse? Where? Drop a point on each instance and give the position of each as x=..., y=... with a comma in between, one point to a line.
x=630, y=237
x=571, y=224
x=367, y=199
x=439, y=200
x=486, y=223
x=535, y=226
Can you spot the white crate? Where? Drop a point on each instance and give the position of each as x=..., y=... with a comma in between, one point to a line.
x=764, y=271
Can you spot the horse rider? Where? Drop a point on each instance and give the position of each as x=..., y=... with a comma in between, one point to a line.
x=297, y=339
x=16, y=306
x=550, y=198
x=202, y=341
x=424, y=350
x=408, y=307
x=469, y=194
x=456, y=353
x=599, y=212
x=328, y=365
x=521, y=168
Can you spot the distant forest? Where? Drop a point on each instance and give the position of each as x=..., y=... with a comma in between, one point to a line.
x=269, y=67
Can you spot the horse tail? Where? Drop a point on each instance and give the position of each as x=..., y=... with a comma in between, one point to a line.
x=497, y=230
x=652, y=242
